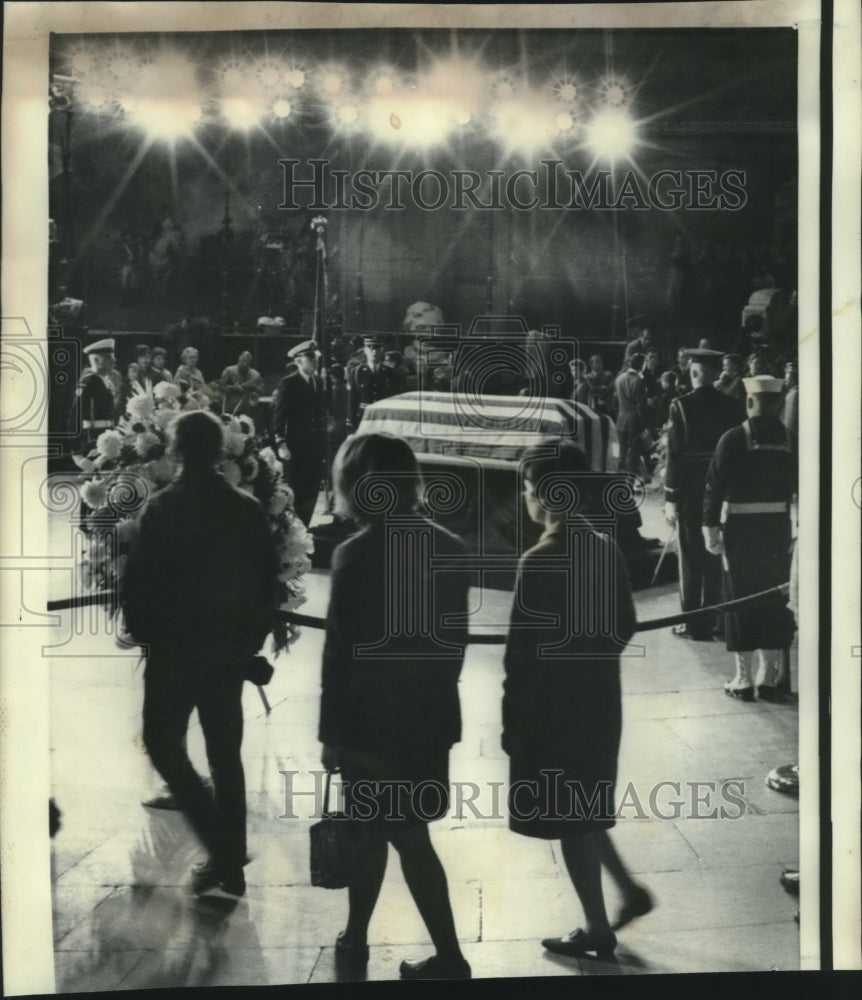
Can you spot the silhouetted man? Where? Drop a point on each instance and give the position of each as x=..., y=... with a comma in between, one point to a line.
x=199, y=592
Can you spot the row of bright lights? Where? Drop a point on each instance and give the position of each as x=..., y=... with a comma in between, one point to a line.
x=164, y=96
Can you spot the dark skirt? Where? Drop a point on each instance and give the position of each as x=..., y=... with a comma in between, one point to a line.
x=563, y=774
x=383, y=792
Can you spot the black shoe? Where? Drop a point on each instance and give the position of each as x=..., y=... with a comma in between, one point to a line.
x=784, y=779
x=579, y=943
x=637, y=905
x=214, y=881
x=350, y=957
x=436, y=968
x=743, y=694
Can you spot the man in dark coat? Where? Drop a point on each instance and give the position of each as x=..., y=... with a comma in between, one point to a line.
x=96, y=396
x=695, y=423
x=299, y=428
x=750, y=485
x=369, y=381
x=198, y=593
x=633, y=415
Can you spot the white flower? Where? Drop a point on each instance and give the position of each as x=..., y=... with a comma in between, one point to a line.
x=84, y=464
x=230, y=470
x=278, y=503
x=162, y=470
x=141, y=407
x=234, y=443
x=126, y=530
x=246, y=426
x=94, y=493
x=233, y=426
x=109, y=444
x=167, y=392
x=145, y=442
x=164, y=418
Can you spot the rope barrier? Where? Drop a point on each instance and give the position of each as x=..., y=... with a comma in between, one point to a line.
x=477, y=638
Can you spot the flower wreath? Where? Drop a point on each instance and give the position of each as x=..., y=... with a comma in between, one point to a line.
x=131, y=460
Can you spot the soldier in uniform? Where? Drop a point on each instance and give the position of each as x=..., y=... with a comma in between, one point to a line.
x=369, y=381
x=696, y=421
x=750, y=484
x=96, y=396
x=299, y=428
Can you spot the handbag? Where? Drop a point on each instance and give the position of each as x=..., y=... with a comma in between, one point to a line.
x=333, y=847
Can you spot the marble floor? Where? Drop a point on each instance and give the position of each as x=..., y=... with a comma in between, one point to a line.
x=697, y=825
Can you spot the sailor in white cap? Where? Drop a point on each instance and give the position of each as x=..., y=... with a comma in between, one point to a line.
x=750, y=486
x=696, y=421
x=96, y=392
x=299, y=428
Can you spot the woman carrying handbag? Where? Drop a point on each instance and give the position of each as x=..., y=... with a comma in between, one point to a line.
x=395, y=637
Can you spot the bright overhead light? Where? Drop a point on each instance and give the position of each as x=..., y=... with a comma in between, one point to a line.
x=166, y=98
x=294, y=77
x=612, y=134
x=567, y=93
x=281, y=108
x=346, y=114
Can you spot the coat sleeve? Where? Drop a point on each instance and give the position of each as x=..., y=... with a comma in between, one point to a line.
x=141, y=578
x=625, y=622
x=717, y=481
x=520, y=653
x=675, y=472
x=337, y=656
x=279, y=413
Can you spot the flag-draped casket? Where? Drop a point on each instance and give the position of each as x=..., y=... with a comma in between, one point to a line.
x=491, y=430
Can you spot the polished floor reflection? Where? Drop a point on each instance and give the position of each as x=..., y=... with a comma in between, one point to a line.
x=710, y=851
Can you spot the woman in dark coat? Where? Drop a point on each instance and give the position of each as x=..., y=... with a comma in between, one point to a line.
x=390, y=709
x=562, y=716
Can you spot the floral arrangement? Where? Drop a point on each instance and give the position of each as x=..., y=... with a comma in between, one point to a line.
x=130, y=461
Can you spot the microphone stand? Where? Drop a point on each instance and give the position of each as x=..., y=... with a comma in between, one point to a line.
x=321, y=337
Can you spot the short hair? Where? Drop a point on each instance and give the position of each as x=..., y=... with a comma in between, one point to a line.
x=734, y=359
x=636, y=361
x=187, y=353
x=143, y=349
x=336, y=370
x=556, y=457
x=668, y=378
x=594, y=356
x=196, y=439
x=376, y=475
x=578, y=364
x=159, y=352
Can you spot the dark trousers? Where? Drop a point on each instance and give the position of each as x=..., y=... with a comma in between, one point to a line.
x=174, y=684
x=700, y=572
x=304, y=474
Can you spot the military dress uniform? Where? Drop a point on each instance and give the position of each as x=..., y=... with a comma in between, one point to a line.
x=367, y=385
x=749, y=487
x=299, y=421
x=696, y=421
x=95, y=400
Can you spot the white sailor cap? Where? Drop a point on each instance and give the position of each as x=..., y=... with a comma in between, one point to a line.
x=306, y=347
x=763, y=383
x=106, y=346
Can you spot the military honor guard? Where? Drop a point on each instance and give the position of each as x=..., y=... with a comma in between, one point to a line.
x=696, y=422
x=371, y=380
x=750, y=485
x=299, y=428
x=96, y=396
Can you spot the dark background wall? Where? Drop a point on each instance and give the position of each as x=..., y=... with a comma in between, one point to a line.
x=716, y=100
